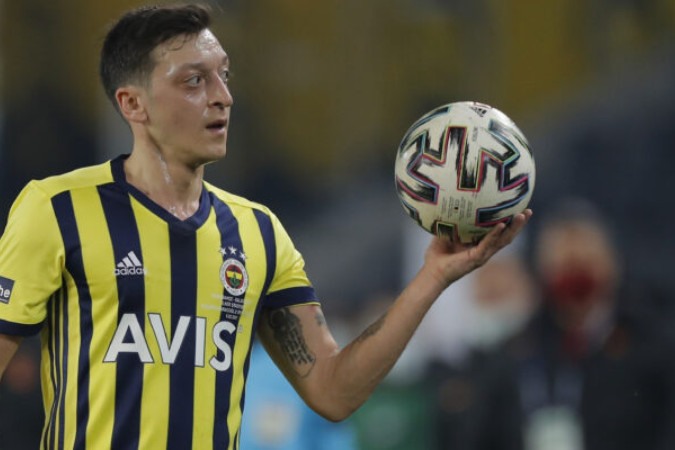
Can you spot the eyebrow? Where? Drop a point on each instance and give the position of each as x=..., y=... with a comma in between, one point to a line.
x=201, y=66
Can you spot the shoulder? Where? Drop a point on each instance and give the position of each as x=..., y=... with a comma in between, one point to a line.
x=38, y=194
x=84, y=177
x=237, y=202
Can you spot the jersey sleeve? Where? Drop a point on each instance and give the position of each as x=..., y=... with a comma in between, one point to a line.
x=290, y=284
x=31, y=262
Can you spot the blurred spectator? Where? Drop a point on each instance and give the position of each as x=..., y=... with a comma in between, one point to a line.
x=498, y=301
x=424, y=400
x=501, y=300
x=478, y=311
x=276, y=418
x=590, y=371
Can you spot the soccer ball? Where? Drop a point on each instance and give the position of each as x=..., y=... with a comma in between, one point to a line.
x=462, y=168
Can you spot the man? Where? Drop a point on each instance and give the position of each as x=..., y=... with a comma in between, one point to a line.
x=592, y=370
x=148, y=284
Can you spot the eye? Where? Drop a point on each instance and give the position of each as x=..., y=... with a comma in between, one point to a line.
x=194, y=80
x=225, y=75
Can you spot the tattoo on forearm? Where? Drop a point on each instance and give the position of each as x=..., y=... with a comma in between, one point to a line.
x=288, y=333
x=372, y=329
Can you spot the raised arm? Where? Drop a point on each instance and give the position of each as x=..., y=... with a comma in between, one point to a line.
x=8, y=347
x=336, y=382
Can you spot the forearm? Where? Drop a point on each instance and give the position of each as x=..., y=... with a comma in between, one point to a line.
x=336, y=382
x=353, y=374
x=366, y=361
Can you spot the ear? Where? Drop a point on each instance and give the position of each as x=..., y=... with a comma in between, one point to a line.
x=131, y=105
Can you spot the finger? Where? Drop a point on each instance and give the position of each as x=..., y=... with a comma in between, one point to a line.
x=502, y=234
x=490, y=243
x=516, y=225
x=446, y=245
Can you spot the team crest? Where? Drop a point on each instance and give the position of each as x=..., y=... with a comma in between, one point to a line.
x=233, y=275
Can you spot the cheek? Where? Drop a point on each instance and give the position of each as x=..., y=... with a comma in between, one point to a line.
x=180, y=121
x=178, y=111
x=195, y=100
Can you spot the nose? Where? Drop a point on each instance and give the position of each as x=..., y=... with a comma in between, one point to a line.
x=221, y=97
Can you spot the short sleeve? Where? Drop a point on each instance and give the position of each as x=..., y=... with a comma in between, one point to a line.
x=31, y=262
x=290, y=284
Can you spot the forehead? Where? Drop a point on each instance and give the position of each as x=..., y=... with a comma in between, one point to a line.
x=190, y=49
x=574, y=240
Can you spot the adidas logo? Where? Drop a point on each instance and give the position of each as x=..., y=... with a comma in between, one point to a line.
x=479, y=110
x=130, y=265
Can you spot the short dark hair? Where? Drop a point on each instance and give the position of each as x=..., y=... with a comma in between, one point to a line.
x=126, y=51
x=575, y=210
x=579, y=211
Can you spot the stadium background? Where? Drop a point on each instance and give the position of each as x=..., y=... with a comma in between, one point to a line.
x=325, y=90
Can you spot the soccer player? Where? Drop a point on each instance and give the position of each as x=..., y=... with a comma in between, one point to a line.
x=148, y=284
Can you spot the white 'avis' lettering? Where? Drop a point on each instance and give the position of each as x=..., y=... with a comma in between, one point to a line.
x=200, y=331
x=217, y=364
x=169, y=350
x=128, y=323
x=129, y=328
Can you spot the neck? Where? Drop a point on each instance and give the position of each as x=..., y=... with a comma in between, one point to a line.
x=173, y=185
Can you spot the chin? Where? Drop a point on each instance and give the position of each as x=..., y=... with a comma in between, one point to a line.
x=221, y=153
x=215, y=155
x=206, y=158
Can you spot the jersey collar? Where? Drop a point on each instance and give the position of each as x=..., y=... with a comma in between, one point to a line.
x=191, y=223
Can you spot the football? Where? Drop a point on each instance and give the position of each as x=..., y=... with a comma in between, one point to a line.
x=462, y=168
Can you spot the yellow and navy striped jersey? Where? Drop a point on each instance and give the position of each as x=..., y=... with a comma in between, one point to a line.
x=146, y=321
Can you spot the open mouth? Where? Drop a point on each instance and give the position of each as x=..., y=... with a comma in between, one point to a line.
x=217, y=125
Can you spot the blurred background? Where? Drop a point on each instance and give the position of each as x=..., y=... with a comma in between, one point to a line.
x=324, y=91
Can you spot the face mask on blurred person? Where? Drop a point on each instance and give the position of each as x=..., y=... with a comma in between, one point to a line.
x=490, y=326
x=574, y=287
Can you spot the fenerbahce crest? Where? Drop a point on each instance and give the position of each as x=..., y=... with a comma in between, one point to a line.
x=233, y=273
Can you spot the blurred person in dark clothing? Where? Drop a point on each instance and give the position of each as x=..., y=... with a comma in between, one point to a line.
x=591, y=370
x=500, y=298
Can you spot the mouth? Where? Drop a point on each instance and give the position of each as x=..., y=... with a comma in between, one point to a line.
x=217, y=126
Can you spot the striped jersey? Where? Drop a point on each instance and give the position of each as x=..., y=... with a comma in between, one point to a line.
x=146, y=321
